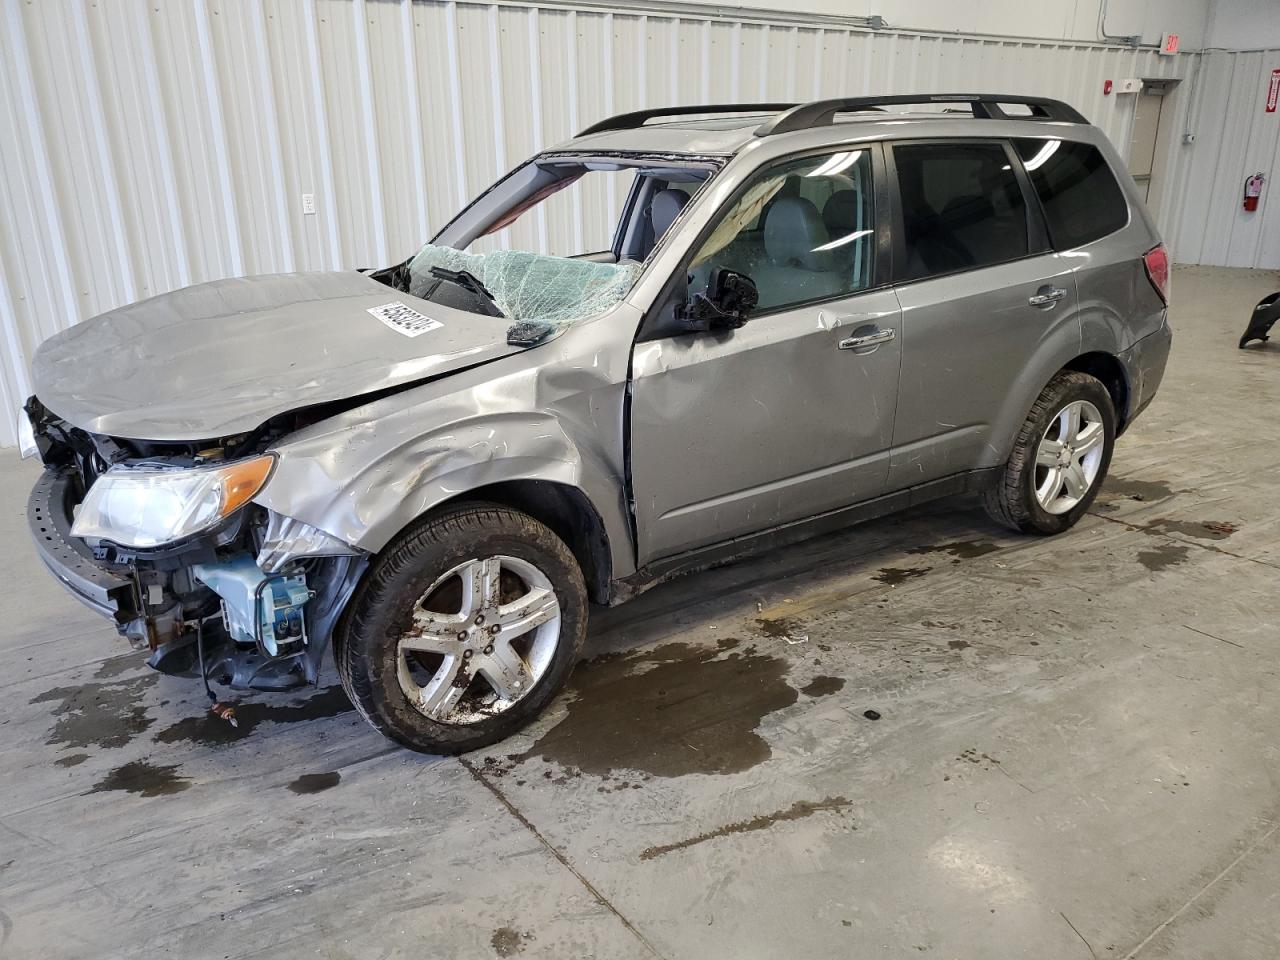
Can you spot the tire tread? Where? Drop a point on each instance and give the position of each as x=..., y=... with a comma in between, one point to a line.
x=1004, y=500
x=436, y=531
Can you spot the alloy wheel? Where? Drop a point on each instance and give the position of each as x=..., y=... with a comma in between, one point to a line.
x=1069, y=457
x=482, y=636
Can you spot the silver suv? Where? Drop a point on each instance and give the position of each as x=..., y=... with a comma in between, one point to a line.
x=768, y=321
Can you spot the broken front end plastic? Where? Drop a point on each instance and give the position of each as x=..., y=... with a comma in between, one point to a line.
x=210, y=583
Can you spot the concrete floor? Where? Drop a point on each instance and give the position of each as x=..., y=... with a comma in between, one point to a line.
x=1076, y=753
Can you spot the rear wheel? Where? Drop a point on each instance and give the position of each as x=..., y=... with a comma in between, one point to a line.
x=1059, y=458
x=464, y=630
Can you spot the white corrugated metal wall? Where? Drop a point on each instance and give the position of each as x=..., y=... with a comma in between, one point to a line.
x=1235, y=138
x=145, y=146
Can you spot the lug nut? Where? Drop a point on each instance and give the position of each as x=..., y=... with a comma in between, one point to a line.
x=466, y=654
x=495, y=629
x=479, y=619
x=489, y=649
x=462, y=635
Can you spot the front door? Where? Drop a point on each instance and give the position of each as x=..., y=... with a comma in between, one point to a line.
x=791, y=415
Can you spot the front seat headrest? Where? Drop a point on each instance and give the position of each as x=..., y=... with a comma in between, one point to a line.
x=664, y=208
x=793, y=230
x=840, y=213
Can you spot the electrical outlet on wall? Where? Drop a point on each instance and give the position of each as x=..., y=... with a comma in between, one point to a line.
x=308, y=204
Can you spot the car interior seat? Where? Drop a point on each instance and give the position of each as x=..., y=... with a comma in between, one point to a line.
x=794, y=268
x=840, y=213
x=664, y=208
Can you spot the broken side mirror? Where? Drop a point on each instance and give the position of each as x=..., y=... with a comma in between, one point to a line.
x=725, y=305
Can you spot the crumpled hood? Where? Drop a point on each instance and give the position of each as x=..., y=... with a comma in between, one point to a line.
x=219, y=358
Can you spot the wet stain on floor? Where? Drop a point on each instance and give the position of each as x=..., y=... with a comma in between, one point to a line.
x=959, y=644
x=972, y=755
x=669, y=711
x=1200, y=529
x=508, y=941
x=143, y=778
x=107, y=714
x=823, y=686
x=779, y=627
x=960, y=549
x=116, y=666
x=1141, y=490
x=204, y=728
x=72, y=760
x=315, y=782
x=797, y=811
x=1162, y=557
x=892, y=576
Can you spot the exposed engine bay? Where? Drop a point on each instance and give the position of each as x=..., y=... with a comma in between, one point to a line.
x=250, y=601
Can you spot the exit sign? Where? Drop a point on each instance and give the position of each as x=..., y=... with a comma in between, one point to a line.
x=1169, y=44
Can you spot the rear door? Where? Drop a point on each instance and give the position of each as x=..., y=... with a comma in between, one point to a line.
x=791, y=415
x=981, y=291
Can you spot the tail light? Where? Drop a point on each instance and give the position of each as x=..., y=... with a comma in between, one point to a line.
x=1156, y=260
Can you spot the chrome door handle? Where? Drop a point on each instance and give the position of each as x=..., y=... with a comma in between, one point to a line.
x=867, y=340
x=1047, y=297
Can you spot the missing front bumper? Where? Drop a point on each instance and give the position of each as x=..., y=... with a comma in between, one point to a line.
x=106, y=591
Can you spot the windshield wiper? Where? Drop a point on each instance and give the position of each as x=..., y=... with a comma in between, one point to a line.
x=468, y=281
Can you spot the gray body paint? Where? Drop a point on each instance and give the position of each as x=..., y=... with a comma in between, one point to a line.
x=223, y=357
x=220, y=358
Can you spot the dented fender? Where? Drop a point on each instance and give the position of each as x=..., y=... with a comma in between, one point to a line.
x=368, y=472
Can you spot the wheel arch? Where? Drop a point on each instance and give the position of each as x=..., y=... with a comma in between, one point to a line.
x=1050, y=361
x=567, y=511
x=1110, y=371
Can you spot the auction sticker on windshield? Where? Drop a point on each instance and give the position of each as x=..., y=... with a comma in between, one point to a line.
x=404, y=319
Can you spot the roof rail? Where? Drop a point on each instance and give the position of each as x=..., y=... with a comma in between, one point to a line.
x=637, y=118
x=985, y=106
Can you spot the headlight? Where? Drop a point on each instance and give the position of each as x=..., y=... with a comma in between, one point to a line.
x=150, y=506
x=26, y=436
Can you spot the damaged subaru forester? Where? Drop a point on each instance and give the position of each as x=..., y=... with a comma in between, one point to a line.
x=797, y=317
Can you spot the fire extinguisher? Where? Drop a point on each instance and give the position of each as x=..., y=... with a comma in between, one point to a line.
x=1253, y=190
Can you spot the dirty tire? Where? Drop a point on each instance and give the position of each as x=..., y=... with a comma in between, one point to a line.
x=366, y=647
x=1011, y=499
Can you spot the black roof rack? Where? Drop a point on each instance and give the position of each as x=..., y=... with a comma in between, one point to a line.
x=637, y=118
x=819, y=113
x=985, y=106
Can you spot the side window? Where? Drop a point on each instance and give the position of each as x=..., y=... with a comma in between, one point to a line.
x=962, y=207
x=803, y=230
x=1077, y=190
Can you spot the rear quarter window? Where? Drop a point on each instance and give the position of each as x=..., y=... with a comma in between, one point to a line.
x=1081, y=199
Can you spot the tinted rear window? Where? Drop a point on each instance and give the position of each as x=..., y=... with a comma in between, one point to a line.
x=962, y=207
x=1080, y=196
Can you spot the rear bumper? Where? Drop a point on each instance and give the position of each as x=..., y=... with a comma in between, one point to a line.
x=1144, y=362
x=106, y=591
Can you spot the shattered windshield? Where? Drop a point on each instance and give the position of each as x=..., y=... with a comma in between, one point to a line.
x=559, y=240
x=528, y=286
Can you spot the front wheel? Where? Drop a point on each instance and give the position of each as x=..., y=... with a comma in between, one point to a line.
x=1059, y=458
x=465, y=628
